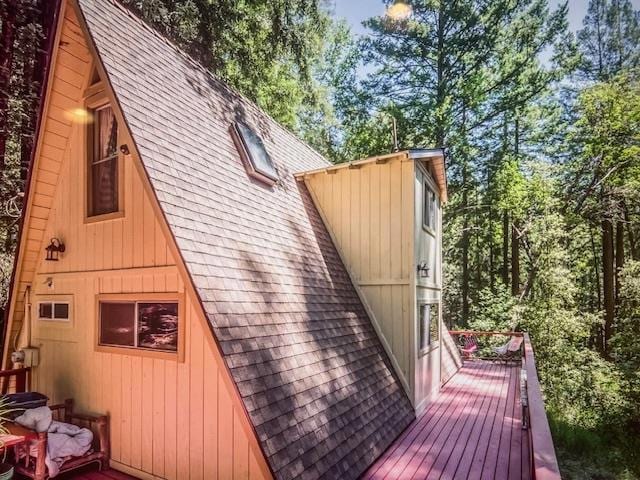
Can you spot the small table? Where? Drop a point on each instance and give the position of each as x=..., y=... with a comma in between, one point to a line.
x=18, y=435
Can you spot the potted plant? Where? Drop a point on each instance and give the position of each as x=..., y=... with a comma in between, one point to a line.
x=6, y=469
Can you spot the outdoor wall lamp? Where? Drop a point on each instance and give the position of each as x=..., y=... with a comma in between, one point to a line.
x=54, y=249
x=423, y=269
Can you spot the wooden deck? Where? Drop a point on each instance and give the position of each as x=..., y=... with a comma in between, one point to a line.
x=472, y=431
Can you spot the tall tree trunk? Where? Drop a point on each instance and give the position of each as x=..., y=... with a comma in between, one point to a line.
x=607, y=281
x=492, y=267
x=632, y=241
x=440, y=83
x=600, y=46
x=29, y=97
x=515, y=260
x=465, y=214
x=465, y=246
x=619, y=257
x=515, y=235
x=505, y=248
x=6, y=59
x=596, y=269
x=478, y=235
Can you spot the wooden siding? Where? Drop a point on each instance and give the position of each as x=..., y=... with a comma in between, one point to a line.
x=169, y=419
x=368, y=211
x=428, y=249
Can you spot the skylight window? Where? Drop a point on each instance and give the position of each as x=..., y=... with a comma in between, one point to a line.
x=254, y=154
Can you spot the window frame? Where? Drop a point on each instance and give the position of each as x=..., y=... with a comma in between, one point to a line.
x=53, y=302
x=429, y=197
x=170, y=297
x=96, y=100
x=246, y=157
x=431, y=345
x=50, y=329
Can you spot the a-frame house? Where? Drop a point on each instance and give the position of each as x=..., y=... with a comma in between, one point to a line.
x=200, y=298
x=238, y=306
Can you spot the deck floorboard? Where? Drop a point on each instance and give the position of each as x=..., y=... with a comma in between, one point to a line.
x=473, y=430
x=92, y=473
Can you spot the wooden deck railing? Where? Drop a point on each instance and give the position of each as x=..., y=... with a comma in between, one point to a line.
x=14, y=381
x=544, y=464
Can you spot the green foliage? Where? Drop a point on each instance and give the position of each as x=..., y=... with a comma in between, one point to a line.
x=626, y=347
x=265, y=49
x=496, y=310
x=608, y=128
x=610, y=39
x=462, y=61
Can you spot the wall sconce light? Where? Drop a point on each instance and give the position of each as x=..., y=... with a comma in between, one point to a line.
x=423, y=269
x=54, y=249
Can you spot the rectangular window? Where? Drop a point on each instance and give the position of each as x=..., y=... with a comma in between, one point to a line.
x=103, y=163
x=149, y=325
x=430, y=207
x=429, y=326
x=53, y=310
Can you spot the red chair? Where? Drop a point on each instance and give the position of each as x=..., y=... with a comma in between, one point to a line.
x=469, y=346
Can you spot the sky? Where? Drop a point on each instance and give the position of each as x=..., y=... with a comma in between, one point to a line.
x=355, y=11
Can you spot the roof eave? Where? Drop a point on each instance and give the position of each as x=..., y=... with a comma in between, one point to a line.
x=420, y=154
x=438, y=156
x=56, y=9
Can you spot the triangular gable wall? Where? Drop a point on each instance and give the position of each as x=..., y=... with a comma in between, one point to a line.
x=157, y=407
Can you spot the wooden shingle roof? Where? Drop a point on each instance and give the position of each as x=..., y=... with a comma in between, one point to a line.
x=314, y=378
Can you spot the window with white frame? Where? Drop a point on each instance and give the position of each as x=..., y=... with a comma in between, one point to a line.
x=429, y=326
x=145, y=324
x=53, y=310
x=429, y=208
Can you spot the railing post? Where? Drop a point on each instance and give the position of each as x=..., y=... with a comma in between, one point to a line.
x=543, y=458
x=21, y=381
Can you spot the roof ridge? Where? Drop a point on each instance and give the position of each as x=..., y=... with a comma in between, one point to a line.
x=213, y=76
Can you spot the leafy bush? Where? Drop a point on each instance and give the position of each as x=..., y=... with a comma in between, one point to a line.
x=626, y=342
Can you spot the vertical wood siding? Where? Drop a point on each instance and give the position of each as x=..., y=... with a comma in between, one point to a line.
x=369, y=212
x=427, y=249
x=169, y=419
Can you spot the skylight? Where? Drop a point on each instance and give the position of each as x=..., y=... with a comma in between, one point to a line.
x=254, y=154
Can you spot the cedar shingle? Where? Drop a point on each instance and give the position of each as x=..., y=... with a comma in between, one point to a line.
x=311, y=371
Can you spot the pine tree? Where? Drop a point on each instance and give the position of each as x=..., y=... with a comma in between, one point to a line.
x=265, y=49
x=451, y=71
x=610, y=39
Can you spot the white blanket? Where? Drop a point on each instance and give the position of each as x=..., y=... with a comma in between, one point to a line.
x=63, y=439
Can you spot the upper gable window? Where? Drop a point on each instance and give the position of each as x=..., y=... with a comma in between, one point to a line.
x=254, y=154
x=103, y=163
